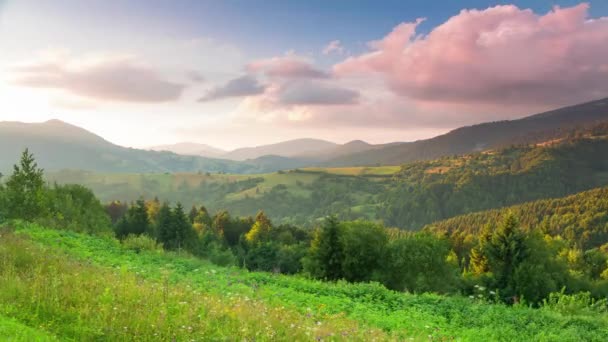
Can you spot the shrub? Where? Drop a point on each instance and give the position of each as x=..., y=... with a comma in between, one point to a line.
x=139, y=243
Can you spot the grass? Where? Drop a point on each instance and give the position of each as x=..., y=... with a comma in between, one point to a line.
x=75, y=300
x=69, y=285
x=13, y=330
x=357, y=171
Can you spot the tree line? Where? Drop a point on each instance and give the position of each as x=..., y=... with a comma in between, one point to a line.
x=513, y=264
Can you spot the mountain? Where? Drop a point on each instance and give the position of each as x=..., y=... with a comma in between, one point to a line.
x=582, y=217
x=58, y=145
x=481, y=137
x=290, y=148
x=191, y=149
x=409, y=197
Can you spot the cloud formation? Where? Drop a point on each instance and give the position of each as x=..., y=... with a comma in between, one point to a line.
x=316, y=93
x=333, y=47
x=239, y=87
x=501, y=55
x=288, y=66
x=108, y=78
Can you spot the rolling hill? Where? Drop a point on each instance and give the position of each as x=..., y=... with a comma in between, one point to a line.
x=290, y=148
x=482, y=137
x=58, y=145
x=191, y=149
x=407, y=197
x=582, y=217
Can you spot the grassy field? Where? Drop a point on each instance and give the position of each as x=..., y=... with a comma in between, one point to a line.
x=124, y=186
x=79, y=287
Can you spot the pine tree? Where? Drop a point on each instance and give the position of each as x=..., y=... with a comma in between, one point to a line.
x=164, y=225
x=326, y=252
x=181, y=227
x=25, y=189
x=506, y=250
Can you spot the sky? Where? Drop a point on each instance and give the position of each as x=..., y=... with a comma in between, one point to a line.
x=245, y=73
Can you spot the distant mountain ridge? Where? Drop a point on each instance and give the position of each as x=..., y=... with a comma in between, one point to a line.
x=59, y=145
x=290, y=148
x=313, y=150
x=191, y=149
x=482, y=136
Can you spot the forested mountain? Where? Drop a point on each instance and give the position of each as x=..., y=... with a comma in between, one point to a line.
x=63, y=146
x=409, y=197
x=581, y=218
x=483, y=136
x=291, y=148
x=191, y=149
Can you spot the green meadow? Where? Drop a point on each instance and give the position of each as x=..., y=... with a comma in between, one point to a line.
x=59, y=285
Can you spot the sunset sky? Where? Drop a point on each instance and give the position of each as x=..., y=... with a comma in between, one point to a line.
x=244, y=73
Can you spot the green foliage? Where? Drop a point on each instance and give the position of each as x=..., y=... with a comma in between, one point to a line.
x=419, y=262
x=581, y=303
x=25, y=196
x=326, y=253
x=420, y=193
x=95, y=300
x=135, y=222
x=363, y=250
x=139, y=243
x=76, y=208
x=506, y=250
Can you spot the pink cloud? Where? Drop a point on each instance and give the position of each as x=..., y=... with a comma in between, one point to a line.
x=333, y=47
x=288, y=66
x=106, y=78
x=501, y=55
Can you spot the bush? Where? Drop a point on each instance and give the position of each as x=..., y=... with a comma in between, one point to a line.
x=575, y=304
x=139, y=243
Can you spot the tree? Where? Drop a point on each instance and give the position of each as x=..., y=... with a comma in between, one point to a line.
x=363, y=249
x=76, y=208
x=164, y=224
x=261, y=229
x=182, y=228
x=174, y=228
x=326, y=253
x=25, y=189
x=419, y=263
x=506, y=250
x=135, y=222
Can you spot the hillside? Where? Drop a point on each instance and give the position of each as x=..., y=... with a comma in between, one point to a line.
x=483, y=136
x=408, y=197
x=191, y=149
x=291, y=148
x=582, y=218
x=58, y=145
x=105, y=290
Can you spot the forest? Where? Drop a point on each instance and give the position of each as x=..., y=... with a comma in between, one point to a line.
x=408, y=197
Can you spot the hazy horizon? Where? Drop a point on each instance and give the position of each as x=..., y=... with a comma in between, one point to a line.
x=236, y=74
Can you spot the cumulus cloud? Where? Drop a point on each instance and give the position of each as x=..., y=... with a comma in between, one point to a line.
x=239, y=87
x=288, y=66
x=333, y=47
x=501, y=55
x=315, y=93
x=109, y=78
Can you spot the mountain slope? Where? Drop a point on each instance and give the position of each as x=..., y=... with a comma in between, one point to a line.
x=58, y=145
x=289, y=148
x=582, y=218
x=191, y=149
x=409, y=197
x=482, y=137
